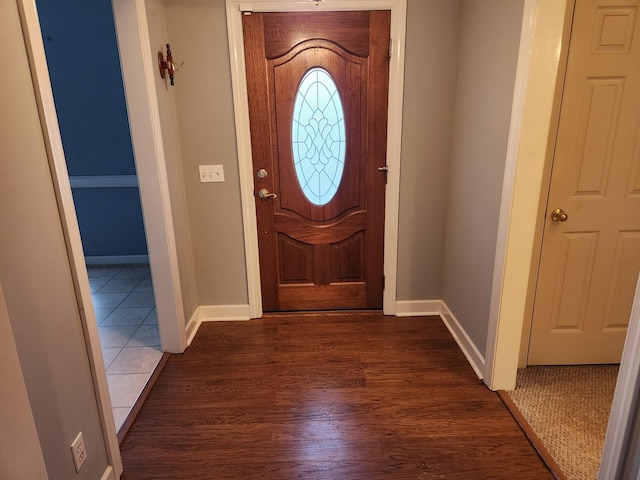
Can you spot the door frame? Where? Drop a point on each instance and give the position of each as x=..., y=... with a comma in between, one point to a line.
x=546, y=25
x=138, y=73
x=235, y=9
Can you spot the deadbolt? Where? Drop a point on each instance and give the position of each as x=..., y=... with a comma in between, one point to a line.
x=559, y=215
x=262, y=173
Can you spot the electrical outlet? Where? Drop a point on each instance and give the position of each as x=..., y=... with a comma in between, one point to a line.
x=78, y=451
x=211, y=173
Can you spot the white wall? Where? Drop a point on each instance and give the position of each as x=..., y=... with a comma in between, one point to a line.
x=486, y=75
x=431, y=68
x=20, y=452
x=204, y=106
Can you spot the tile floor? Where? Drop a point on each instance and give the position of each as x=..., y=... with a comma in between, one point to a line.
x=128, y=328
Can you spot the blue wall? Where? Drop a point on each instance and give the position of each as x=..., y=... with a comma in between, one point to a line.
x=82, y=53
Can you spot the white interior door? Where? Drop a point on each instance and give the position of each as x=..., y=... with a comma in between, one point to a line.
x=591, y=245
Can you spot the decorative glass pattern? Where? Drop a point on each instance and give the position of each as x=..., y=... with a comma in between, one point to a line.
x=318, y=136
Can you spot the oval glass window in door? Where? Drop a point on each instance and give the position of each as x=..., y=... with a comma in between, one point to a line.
x=318, y=136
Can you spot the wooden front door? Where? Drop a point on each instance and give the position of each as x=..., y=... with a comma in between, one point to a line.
x=591, y=257
x=317, y=90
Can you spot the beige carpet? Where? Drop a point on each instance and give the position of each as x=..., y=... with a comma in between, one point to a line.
x=568, y=409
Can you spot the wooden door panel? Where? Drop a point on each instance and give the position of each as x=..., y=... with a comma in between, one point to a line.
x=295, y=260
x=590, y=262
x=346, y=296
x=330, y=232
x=284, y=31
x=633, y=190
x=624, y=276
x=347, y=71
x=347, y=259
x=613, y=29
x=574, y=271
x=329, y=255
x=592, y=156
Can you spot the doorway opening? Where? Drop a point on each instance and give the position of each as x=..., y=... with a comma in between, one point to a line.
x=102, y=174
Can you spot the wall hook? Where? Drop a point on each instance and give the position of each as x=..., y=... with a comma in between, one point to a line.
x=167, y=65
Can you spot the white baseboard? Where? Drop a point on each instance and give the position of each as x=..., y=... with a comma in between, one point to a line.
x=193, y=325
x=417, y=308
x=474, y=357
x=215, y=313
x=116, y=259
x=108, y=474
x=218, y=313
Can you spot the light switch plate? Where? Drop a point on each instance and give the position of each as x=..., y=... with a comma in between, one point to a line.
x=211, y=173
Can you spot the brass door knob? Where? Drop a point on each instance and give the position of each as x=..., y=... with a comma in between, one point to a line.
x=559, y=215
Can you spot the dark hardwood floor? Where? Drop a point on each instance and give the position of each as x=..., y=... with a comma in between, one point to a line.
x=325, y=396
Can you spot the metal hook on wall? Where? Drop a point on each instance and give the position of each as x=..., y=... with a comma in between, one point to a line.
x=168, y=65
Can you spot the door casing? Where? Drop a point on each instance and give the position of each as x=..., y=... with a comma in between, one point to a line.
x=398, y=8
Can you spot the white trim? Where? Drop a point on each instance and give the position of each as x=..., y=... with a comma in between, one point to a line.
x=469, y=349
x=53, y=141
x=193, y=325
x=218, y=313
x=108, y=474
x=243, y=140
x=500, y=346
x=116, y=259
x=138, y=71
x=418, y=308
x=312, y=6
x=625, y=403
x=103, y=181
x=394, y=147
x=396, y=84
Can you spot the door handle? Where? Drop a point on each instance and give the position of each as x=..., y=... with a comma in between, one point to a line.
x=559, y=215
x=264, y=193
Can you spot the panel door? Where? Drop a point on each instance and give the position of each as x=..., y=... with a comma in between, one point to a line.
x=318, y=88
x=591, y=246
